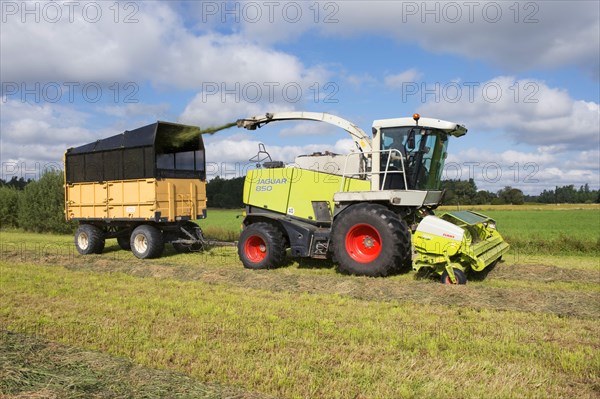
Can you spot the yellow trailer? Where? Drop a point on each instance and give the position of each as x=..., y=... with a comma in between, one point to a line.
x=143, y=187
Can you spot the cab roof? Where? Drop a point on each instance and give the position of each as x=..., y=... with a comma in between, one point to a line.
x=451, y=128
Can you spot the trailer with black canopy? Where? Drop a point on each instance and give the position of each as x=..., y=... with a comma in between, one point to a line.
x=144, y=187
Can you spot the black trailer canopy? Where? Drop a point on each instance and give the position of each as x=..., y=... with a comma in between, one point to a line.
x=161, y=149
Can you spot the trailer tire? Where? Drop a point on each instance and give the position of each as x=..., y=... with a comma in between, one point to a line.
x=124, y=242
x=461, y=278
x=147, y=242
x=89, y=239
x=261, y=246
x=370, y=240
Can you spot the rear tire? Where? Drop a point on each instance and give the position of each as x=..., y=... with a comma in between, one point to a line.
x=261, y=246
x=89, y=239
x=124, y=242
x=147, y=242
x=461, y=278
x=370, y=240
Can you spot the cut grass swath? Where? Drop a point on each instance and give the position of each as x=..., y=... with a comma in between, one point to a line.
x=293, y=344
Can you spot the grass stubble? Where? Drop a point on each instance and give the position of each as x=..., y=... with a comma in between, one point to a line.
x=202, y=323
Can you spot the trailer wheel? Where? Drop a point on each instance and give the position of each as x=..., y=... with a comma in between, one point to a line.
x=89, y=239
x=371, y=240
x=124, y=242
x=261, y=246
x=147, y=242
x=461, y=278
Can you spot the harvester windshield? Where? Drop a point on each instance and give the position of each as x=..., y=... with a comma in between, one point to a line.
x=423, y=152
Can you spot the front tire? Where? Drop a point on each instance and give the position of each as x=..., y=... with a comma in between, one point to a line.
x=89, y=239
x=370, y=240
x=147, y=242
x=261, y=246
x=461, y=278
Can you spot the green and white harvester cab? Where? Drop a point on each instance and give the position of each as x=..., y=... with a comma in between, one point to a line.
x=371, y=210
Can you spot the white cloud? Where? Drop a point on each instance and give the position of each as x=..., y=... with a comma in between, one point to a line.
x=207, y=111
x=27, y=125
x=33, y=138
x=529, y=171
x=528, y=111
x=514, y=35
x=84, y=51
x=241, y=150
x=136, y=110
x=396, y=80
x=360, y=80
x=303, y=129
x=158, y=48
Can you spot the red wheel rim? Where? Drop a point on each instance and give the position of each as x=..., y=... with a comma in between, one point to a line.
x=448, y=281
x=255, y=249
x=363, y=243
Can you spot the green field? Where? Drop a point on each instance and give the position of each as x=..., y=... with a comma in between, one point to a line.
x=201, y=326
x=223, y=224
x=549, y=229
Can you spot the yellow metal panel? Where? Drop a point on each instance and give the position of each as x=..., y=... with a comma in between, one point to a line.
x=268, y=188
x=131, y=199
x=309, y=186
x=86, y=200
x=250, y=177
x=177, y=198
x=136, y=199
x=292, y=190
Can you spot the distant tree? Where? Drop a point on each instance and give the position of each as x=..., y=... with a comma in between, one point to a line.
x=41, y=205
x=459, y=191
x=9, y=206
x=484, y=197
x=547, y=197
x=509, y=195
x=225, y=193
x=566, y=194
x=17, y=183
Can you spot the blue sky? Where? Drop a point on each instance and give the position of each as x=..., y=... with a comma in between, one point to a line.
x=522, y=76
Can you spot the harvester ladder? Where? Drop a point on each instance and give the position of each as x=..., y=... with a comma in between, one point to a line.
x=369, y=173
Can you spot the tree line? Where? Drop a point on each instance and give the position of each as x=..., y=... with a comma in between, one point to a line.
x=34, y=205
x=38, y=205
x=464, y=192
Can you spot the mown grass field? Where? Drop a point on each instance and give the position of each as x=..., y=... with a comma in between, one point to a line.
x=200, y=326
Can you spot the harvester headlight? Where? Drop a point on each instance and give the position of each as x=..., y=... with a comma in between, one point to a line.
x=491, y=226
